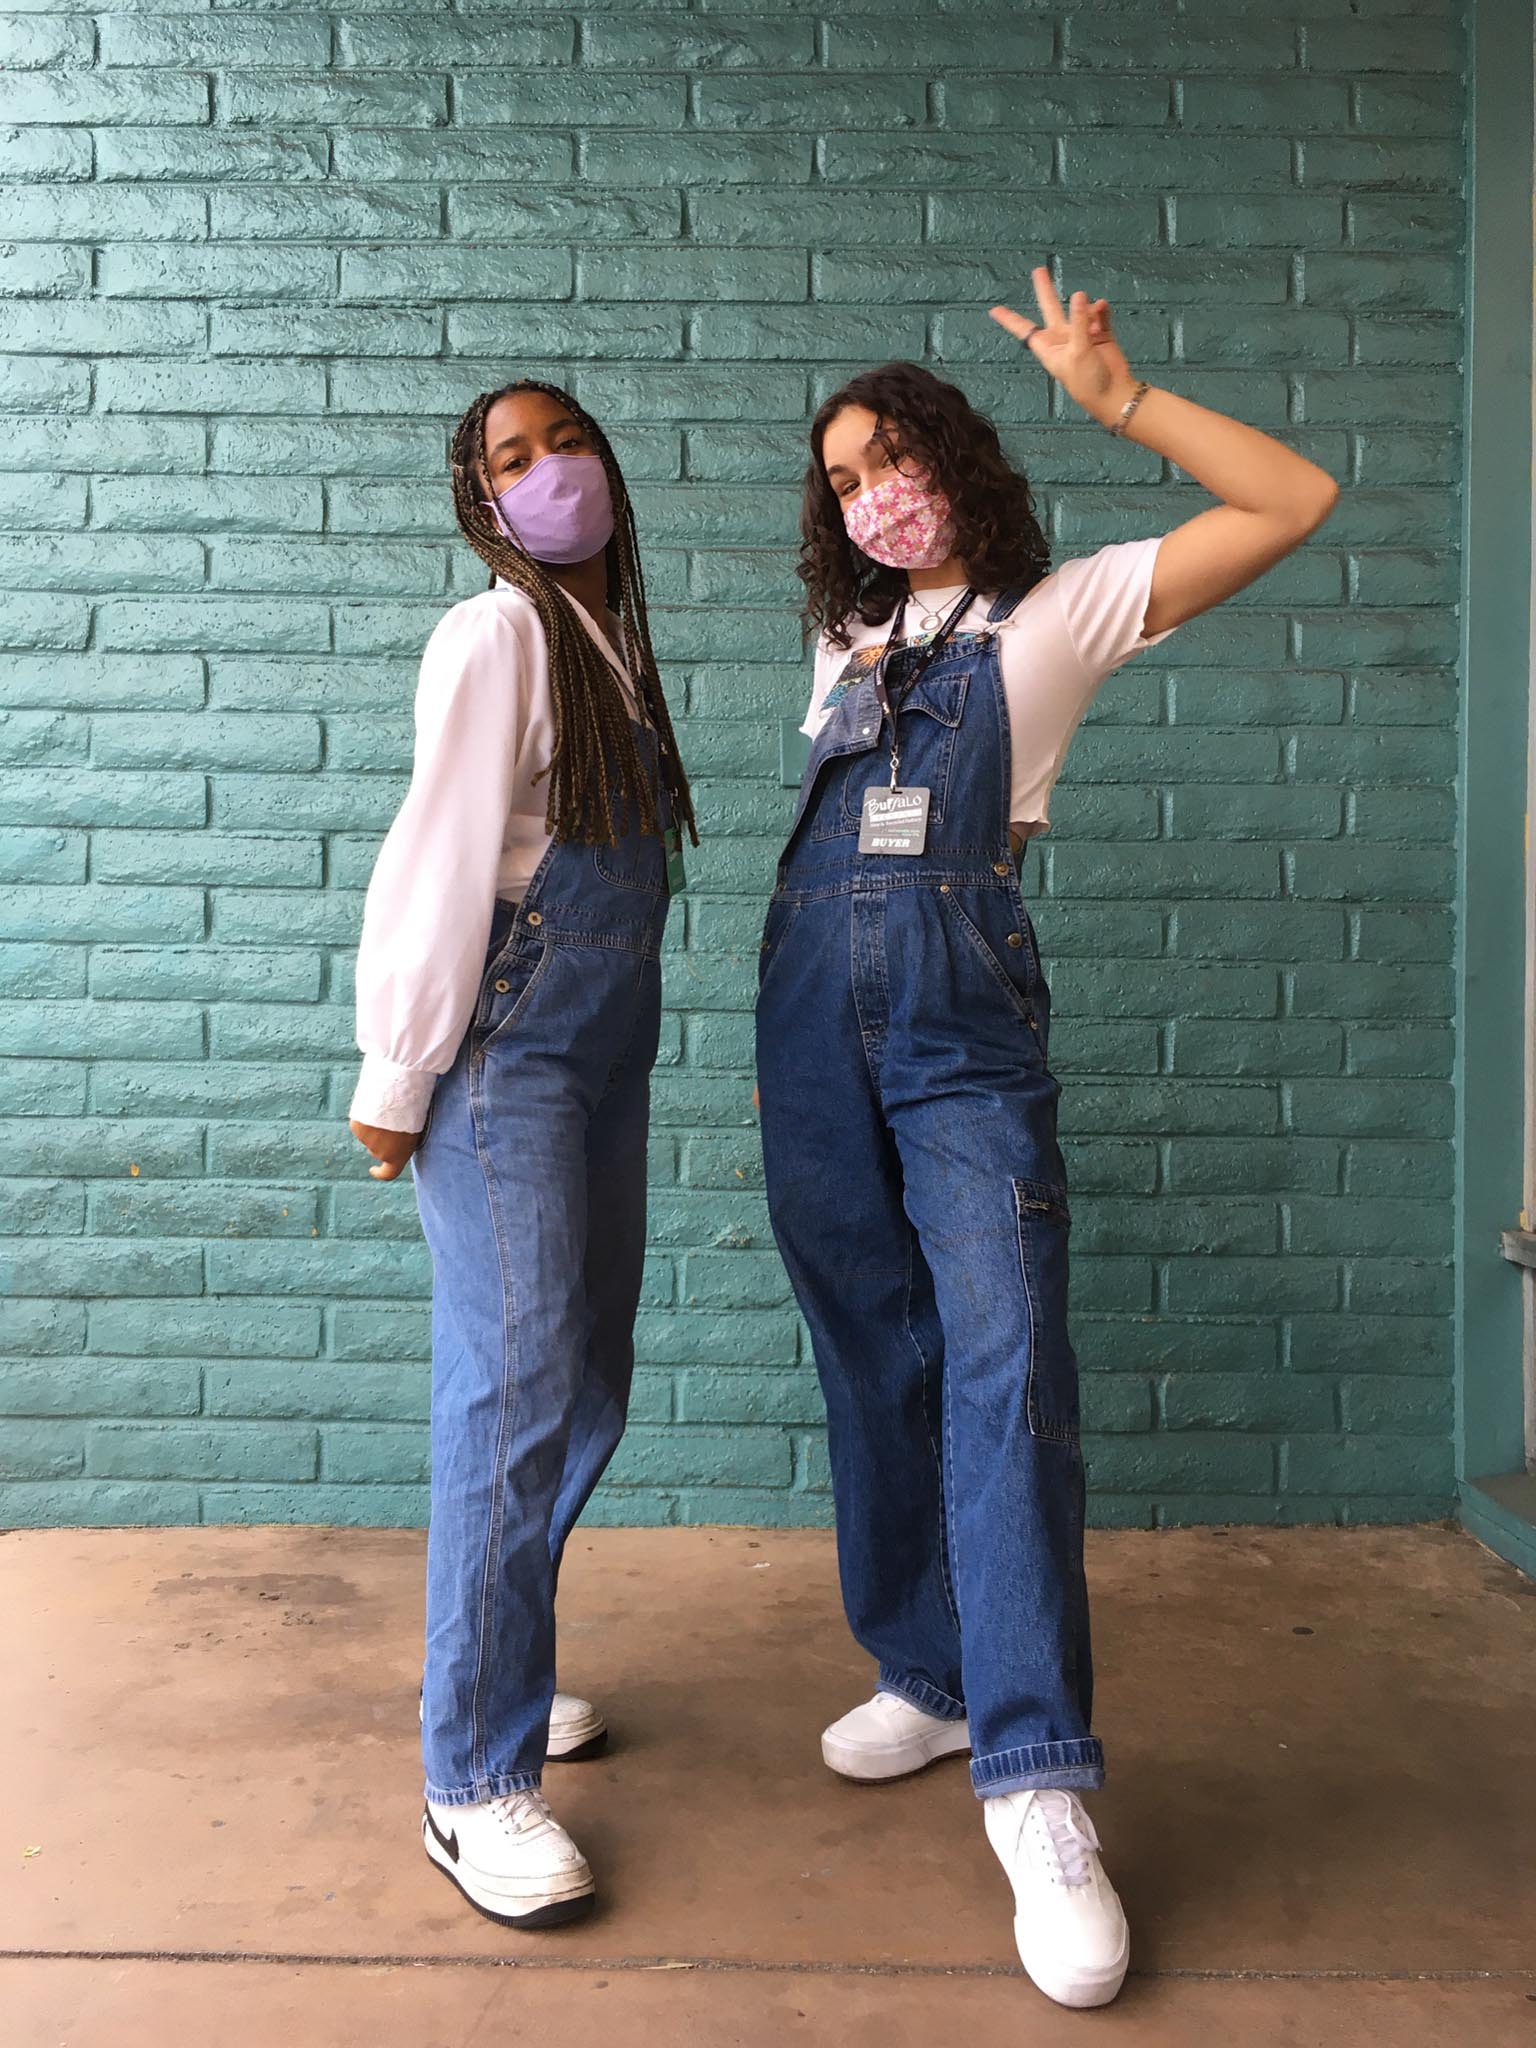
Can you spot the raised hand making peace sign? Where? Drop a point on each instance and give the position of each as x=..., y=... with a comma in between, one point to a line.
x=1076, y=344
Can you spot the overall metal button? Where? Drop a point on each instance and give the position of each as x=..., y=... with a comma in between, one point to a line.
x=534, y=917
x=1001, y=867
x=502, y=987
x=943, y=888
x=1014, y=939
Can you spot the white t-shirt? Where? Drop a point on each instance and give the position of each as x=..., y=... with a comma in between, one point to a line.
x=1062, y=640
x=472, y=828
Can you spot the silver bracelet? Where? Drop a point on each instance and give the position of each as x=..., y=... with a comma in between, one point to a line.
x=1124, y=420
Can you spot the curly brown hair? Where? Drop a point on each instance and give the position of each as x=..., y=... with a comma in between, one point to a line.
x=924, y=423
x=598, y=785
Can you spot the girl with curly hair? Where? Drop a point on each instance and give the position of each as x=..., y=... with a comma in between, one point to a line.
x=916, y=1186
x=508, y=1009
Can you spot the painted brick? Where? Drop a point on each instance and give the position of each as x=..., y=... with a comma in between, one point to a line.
x=1242, y=1401
x=106, y=1504
x=37, y=43
x=224, y=510
x=41, y=1450
x=206, y=974
x=42, y=970
x=216, y=43
x=714, y=42
x=180, y=153
x=435, y=44
x=61, y=213
x=43, y=384
x=81, y=797
x=362, y=98
x=42, y=501
x=131, y=1387
x=529, y=99
x=622, y=161
x=204, y=1451
x=251, y=272
x=102, y=1030
x=44, y=153
x=147, y=914
x=100, y=98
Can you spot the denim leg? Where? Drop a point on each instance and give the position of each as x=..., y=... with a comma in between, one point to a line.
x=859, y=1275
x=502, y=1188
x=616, y=1183
x=983, y=1185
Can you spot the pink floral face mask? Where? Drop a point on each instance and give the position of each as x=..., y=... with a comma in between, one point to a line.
x=902, y=523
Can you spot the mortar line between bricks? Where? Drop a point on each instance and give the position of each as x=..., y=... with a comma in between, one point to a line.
x=730, y=1966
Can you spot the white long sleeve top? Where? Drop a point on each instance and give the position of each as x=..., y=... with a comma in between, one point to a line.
x=471, y=829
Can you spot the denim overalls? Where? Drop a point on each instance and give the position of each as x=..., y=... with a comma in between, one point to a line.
x=531, y=1186
x=918, y=1196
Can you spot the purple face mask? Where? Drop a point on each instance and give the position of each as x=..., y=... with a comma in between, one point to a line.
x=560, y=511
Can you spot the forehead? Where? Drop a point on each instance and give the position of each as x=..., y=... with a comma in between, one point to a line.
x=847, y=435
x=524, y=413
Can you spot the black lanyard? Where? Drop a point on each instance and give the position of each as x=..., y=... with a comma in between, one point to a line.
x=890, y=707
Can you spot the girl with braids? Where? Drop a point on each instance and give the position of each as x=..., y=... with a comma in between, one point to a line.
x=914, y=1178
x=508, y=1008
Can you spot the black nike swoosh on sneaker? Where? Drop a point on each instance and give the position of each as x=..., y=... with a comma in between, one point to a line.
x=448, y=1842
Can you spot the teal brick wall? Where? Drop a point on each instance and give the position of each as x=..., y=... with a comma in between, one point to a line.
x=261, y=257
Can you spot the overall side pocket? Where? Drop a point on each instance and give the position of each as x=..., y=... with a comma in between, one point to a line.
x=1044, y=1222
x=781, y=915
x=509, y=983
x=1018, y=991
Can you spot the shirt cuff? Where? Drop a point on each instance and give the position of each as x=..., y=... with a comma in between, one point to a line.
x=391, y=1097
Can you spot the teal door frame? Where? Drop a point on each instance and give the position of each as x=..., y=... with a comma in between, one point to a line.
x=1497, y=1495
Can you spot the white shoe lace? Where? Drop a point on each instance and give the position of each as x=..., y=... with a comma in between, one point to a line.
x=1064, y=1837
x=519, y=1811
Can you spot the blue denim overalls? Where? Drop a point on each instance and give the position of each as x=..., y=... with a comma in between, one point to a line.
x=918, y=1196
x=531, y=1186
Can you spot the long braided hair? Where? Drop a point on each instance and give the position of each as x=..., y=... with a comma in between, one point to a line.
x=599, y=786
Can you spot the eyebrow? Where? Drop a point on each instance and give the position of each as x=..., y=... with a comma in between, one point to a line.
x=876, y=440
x=521, y=440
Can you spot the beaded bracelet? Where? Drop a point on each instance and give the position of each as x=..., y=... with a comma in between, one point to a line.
x=1129, y=407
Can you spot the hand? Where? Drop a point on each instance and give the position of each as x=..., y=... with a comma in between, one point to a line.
x=1077, y=346
x=392, y=1149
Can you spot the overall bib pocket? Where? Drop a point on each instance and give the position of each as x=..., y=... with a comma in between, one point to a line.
x=639, y=861
x=930, y=723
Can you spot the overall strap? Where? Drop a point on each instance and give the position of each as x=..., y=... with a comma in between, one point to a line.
x=1008, y=601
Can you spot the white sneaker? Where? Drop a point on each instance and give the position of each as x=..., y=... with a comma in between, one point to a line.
x=511, y=1859
x=576, y=1730
x=888, y=1738
x=1069, y=1923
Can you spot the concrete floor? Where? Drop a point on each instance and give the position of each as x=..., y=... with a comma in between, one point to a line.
x=1321, y=1810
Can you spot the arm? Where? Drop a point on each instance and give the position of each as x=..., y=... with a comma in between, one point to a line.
x=1272, y=498
x=431, y=897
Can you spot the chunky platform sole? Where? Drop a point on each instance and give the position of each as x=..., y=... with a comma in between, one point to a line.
x=583, y=1752
x=875, y=1767
x=553, y=1913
